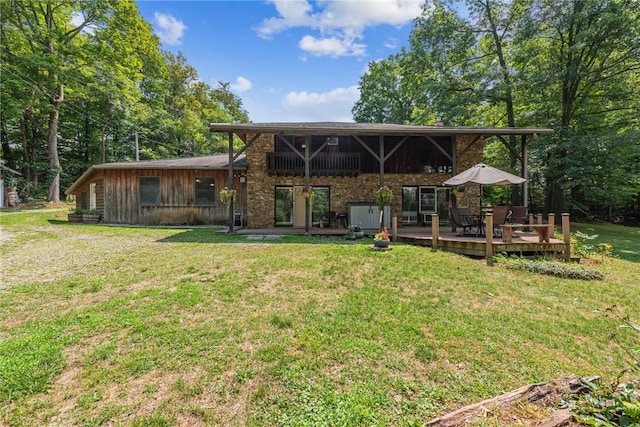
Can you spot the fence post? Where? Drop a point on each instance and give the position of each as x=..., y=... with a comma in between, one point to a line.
x=566, y=236
x=488, y=231
x=552, y=224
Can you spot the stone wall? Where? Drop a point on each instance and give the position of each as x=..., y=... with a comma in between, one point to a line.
x=260, y=186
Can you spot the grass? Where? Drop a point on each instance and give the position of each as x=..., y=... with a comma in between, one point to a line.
x=104, y=325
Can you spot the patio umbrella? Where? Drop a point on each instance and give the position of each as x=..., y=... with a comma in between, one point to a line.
x=482, y=174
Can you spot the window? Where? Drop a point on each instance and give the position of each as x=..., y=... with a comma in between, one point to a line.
x=284, y=206
x=410, y=199
x=427, y=199
x=409, y=205
x=205, y=191
x=149, y=190
x=320, y=206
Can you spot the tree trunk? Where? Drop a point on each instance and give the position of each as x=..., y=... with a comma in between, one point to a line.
x=52, y=147
x=54, y=160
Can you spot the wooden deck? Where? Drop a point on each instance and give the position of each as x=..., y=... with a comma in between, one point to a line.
x=523, y=243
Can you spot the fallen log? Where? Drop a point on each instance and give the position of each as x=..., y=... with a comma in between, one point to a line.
x=545, y=394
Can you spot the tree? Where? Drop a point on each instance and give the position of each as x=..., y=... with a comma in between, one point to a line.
x=580, y=59
x=52, y=47
x=571, y=65
x=382, y=98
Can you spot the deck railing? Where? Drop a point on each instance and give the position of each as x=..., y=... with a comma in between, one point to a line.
x=323, y=164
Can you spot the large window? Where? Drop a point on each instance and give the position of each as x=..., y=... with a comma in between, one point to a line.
x=284, y=206
x=410, y=199
x=149, y=190
x=205, y=191
x=320, y=206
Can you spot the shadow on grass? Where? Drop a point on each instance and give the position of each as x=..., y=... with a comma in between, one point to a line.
x=212, y=236
x=61, y=222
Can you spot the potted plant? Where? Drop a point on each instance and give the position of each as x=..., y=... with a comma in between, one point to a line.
x=92, y=216
x=75, y=214
x=381, y=239
x=228, y=196
x=351, y=233
x=357, y=230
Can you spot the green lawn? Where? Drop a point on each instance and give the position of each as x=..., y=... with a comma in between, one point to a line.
x=104, y=325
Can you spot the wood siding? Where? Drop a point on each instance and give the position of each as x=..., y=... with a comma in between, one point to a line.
x=177, y=198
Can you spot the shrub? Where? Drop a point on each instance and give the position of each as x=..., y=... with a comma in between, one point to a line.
x=553, y=268
x=583, y=247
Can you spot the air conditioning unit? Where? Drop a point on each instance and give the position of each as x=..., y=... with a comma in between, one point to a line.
x=332, y=140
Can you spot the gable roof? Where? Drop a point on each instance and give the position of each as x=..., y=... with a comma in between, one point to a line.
x=347, y=128
x=215, y=162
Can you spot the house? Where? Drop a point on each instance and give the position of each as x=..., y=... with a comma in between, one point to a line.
x=343, y=164
x=300, y=175
x=160, y=192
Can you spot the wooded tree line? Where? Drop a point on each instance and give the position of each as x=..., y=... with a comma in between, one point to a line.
x=81, y=80
x=570, y=65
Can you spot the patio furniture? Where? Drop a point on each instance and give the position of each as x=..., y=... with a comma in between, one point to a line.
x=543, y=230
x=330, y=219
x=518, y=215
x=500, y=214
x=341, y=220
x=462, y=217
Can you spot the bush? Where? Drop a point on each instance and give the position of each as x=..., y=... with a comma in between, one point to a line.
x=553, y=268
x=582, y=246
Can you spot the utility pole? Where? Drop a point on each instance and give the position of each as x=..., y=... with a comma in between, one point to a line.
x=137, y=148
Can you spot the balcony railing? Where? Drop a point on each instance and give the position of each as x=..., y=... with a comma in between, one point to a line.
x=323, y=164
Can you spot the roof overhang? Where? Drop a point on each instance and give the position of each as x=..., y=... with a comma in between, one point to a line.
x=346, y=128
x=215, y=162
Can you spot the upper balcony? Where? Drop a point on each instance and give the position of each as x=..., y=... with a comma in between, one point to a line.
x=323, y=164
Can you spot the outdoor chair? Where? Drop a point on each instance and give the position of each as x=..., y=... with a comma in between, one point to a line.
x=500, y=214
x=331, y=219
x=461, y=217
x=518, y=215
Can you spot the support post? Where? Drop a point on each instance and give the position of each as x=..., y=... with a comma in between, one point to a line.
x=435, y=231
x=530, y=221
x=552, y=224
x=525, y=171
x=307, y=182
x=230, y=182
x=488, y=231
x=566, y=236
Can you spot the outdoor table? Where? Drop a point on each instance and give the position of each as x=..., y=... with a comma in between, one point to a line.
x=541, y=229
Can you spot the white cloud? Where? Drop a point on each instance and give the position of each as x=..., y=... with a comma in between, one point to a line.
x=391, y=43
x=334, y=105
x=242, y=84
x=292, y=14
x=169, y=29
x=332, y=46
x=339, y=23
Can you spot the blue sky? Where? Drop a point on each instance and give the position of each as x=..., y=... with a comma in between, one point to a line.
x=288, y=60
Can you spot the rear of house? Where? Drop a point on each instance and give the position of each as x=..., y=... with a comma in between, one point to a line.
x=298, y=175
